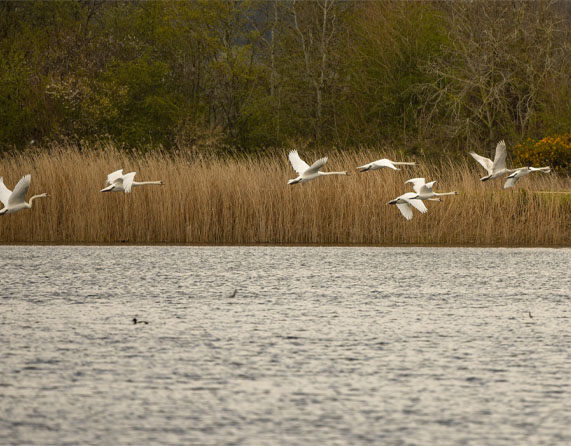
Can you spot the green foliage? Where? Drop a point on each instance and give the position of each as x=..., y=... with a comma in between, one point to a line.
x=394, y=42
x=249, y=74
x=145, y=105
x=553, y=151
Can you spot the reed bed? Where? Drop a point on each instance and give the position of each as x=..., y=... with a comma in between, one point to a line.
x=248, y=201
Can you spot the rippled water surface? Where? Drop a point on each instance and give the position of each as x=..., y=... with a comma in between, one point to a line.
x=319, y=346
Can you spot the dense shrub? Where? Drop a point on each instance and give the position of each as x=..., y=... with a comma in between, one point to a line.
x=554, y=151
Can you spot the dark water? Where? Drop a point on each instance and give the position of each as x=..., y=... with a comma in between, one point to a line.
x=319, y=346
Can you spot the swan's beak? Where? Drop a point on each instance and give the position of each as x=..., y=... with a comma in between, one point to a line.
x=392, y=202
x=484, y=179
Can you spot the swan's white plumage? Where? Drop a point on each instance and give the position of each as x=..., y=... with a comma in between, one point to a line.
x=379, y=164
x=420, y=185
x=316, y=166
x=128, y=180
x=485, y=162
x=425, y=190
x=497, y=167
x=417, y=183
x=418, y=204
x=500, y=156
x=405, y=210
x=298, y=164
x=405, y=201
x=18, y=195
x=4, y=192
x=114, y=176
x=510, y=182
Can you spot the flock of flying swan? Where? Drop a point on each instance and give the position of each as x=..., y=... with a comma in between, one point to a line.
x=117, y=181
x=497, y=168
x=422, y=190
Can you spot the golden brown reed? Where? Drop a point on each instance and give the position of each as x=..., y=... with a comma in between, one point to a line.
x=248, y=201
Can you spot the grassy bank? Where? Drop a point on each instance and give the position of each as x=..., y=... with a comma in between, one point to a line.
x=249, y=201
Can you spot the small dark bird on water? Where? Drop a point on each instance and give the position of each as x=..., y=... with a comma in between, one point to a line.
x=234, y=293
x=530, y=316
x=135, y=321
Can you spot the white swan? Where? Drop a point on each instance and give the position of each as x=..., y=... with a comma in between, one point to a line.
x=15, y=201
x=305, y=172
x=497, y=168
x=379, y=164
x=117, y=182
x=405, y=201
x=521, y=172
x=424, y=190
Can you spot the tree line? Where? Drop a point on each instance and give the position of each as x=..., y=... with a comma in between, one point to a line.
x=248, y=75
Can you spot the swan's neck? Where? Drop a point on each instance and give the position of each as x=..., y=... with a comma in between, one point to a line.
x=142, y=183
x=332, y=173
x=445, y=193
x=29, y=203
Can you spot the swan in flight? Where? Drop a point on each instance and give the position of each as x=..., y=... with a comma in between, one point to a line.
x=305, y=172
x=424, y=190
x=497, y=168
x=405, y=201
x=521, y=172
x=117, y=182
x=379, y=164
x=15, y=201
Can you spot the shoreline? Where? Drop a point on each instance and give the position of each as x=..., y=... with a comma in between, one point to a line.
x=281, y=245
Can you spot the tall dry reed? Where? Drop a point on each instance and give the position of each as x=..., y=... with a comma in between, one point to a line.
x=248, y=202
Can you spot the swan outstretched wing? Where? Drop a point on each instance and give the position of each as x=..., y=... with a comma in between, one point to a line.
x=418, y=204
x=128, y=181
x=417, y=184
x=316, y=165
x=297, y=163
x=112, y=177
x=18, y=195
x=510, y=182
x=500, y=157
x=427, y=188
x=405, y=210
x=485, y=162
x=4, y=192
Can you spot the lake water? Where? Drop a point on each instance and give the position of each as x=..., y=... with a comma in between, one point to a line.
x=319, y=346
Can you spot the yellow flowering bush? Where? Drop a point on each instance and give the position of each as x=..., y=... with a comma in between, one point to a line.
x=554, y=151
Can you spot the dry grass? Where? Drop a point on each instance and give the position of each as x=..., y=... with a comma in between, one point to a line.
x=249, y=202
